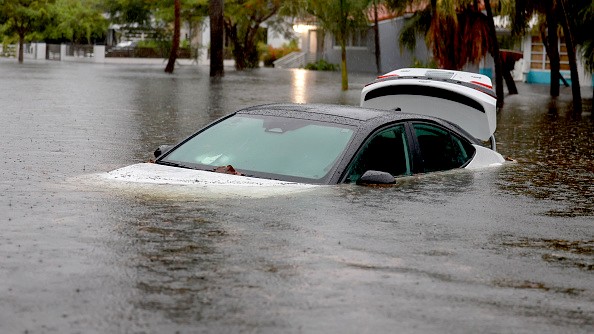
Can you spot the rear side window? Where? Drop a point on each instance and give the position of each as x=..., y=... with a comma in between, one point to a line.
x=440, y=149
x=385, y=151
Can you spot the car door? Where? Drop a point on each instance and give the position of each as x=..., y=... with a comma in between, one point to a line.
x=439, y=148
x=386, y=150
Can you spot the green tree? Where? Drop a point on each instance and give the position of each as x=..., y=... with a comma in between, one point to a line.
x=24, y=19
x=163, y=16
x=130, y=11
x=79, y=21
x=342, y=18
x=169, y=14
x=243, y=26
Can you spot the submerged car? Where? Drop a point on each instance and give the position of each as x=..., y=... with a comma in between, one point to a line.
x=319, y=144
x=433, y=120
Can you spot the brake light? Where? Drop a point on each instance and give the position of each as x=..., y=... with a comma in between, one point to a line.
x=387, y=76
x=481, y=84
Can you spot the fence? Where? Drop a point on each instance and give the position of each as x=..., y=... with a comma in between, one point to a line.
x=148, y=52
x=53, y=52
x=92, y=53
x=80, y=51
x=8, y=50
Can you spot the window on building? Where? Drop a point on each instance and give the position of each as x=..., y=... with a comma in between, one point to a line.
x=539, y=58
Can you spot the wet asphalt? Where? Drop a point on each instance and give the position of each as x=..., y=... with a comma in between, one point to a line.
x=501, y=250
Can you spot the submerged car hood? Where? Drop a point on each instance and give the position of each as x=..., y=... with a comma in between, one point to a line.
x=162, y=174
x=151, y=177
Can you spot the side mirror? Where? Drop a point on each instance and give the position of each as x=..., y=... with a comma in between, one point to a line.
x=161, y=149
x=376, y=177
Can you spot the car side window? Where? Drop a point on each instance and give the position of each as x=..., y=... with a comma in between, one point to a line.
x=440, y=149
x=385, y=151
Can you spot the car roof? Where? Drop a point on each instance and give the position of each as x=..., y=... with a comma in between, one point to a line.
x=343, y=114
x=366, y=119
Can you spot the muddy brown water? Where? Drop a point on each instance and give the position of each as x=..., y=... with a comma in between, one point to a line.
x=499, y=250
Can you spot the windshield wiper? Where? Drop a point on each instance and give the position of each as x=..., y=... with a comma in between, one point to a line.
x=173, y=164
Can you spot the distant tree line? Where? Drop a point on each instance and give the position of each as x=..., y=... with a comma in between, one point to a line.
x=457, y=32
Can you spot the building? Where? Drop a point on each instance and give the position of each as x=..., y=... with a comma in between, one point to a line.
x=532, y=68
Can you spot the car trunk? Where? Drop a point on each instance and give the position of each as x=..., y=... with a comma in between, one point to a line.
x=465, y=99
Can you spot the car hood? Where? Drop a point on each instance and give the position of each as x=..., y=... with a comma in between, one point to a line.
x=153, y=177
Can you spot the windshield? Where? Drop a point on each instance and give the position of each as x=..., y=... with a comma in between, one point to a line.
x=264, y=146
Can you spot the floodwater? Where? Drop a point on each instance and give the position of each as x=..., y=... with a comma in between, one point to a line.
x=501, y=250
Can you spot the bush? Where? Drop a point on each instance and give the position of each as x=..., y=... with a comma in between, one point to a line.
x=270, y=54
x=160, y=49
x=321, y=65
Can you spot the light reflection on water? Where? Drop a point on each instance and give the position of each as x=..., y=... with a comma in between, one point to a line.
x=299, y=85
x=485, y=246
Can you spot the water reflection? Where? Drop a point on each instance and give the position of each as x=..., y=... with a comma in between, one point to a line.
x=176, y=255
x=298, y=86
x=554, y=152
x=428, y=188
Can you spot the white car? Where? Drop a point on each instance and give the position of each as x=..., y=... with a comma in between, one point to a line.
x=463, y=98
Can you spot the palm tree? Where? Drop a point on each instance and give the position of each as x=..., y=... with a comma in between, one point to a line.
x=457, y=32
x=342, y=18
x=568, y=28
x=524, y=11
x=496, y=56
x=577, y=30
x=585, y=18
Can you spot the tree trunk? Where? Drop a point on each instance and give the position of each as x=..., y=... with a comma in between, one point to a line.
x=215, y=9
x=553, y=49
x=378, y=58
x=508, y=62
x=575, y=79
x=509, y=82
x=496, y=55
x=250, y=48
x=21, y=47
x=245, y=51
x=241, y=59
x=176, y=31
x=343, y=66
x=343, y=37
x=571, y=54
